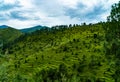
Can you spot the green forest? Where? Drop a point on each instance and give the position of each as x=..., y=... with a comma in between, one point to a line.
x=63, y=53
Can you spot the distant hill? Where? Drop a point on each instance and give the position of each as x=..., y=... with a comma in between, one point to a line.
x=32, y=29
x=4, y=26
x=8, y=34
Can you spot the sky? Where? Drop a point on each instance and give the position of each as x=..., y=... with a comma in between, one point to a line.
x=27, y=13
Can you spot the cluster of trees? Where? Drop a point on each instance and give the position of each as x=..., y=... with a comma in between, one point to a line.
x=112, y=29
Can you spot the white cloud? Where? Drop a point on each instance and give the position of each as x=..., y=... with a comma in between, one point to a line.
x=9, y=1
x=69, y=3
x=20, y=24
x=26, y=3
x=53, y=12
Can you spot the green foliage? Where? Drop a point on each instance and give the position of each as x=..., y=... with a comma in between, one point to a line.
x=115, y=13
x=59, y=54
x=8, y=35
x=74, y=53
x=112, y=44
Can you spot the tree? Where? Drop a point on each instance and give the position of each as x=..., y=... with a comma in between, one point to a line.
x=113, y=32
x=113, y=23
x=70, y=25
x=114, y=19
x=115, y=13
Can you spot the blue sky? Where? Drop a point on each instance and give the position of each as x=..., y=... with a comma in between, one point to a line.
x=28, y=13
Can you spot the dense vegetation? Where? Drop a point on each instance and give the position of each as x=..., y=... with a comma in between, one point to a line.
x=113, y=39
x=8, y=35
x=74, y=53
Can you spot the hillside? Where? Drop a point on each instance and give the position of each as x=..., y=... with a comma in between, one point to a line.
x=74, y=54
x=32, y=29
x=3, y=26
x=9, y=34
x=63, y=53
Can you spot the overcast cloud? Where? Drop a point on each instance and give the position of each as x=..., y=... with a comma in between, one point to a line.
x=28, y=13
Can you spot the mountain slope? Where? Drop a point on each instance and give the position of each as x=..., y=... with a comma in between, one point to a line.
x=69, y=54
x=32, y=29
x=9, y=34
x=3, y=26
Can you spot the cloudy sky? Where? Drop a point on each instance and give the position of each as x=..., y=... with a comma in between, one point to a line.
x=28, y=13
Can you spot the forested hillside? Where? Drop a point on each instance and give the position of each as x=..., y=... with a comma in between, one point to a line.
x=74, y=53
x=8, y=34
x=60, y=54
x=32, y=29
